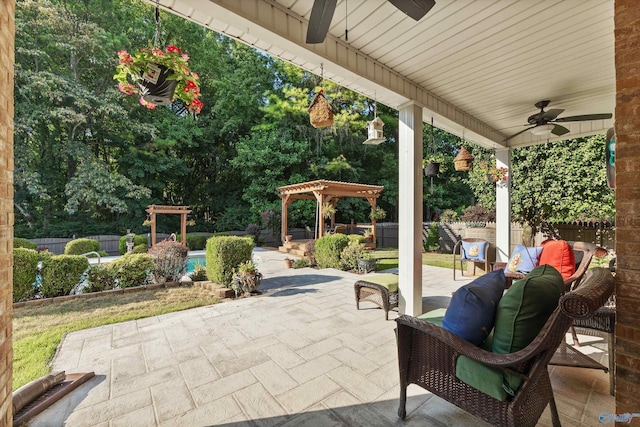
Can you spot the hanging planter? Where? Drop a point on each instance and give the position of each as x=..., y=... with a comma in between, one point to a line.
x=463, y=161
x=432, y=169
x=159, y=77
x=155, y=86
x=320, y=111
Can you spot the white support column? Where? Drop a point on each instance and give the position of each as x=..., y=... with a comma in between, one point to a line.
x=410, y=209
x=503, y=208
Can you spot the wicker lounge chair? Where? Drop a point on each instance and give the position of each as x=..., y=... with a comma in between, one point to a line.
x=427, y=357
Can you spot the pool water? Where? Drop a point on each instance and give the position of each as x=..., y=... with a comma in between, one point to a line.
x=192, y=261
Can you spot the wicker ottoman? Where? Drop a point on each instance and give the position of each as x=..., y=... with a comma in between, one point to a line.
x=380, y=289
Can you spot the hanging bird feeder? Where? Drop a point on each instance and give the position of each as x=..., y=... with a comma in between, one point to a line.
x=374, y=129
x=374, y=132
x=463, y=161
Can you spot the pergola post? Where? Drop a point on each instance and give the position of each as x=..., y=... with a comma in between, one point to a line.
x=410, y=209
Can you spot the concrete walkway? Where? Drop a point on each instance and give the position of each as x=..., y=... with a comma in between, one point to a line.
x=298, y=355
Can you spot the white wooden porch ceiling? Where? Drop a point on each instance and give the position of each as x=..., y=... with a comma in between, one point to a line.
x=478, y=66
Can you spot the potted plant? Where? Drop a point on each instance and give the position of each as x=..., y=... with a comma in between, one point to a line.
x=432, y=164
x=368, y=234
x=367, y=263
x=159, y=77
x=245, y=279
x=377, y=214
x=328, y=210
x=288, y=262
x=494, y=173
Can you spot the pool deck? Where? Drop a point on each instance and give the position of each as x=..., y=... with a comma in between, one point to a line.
x=300, y=354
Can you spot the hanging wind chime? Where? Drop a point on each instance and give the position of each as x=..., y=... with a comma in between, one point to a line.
x=320, y=110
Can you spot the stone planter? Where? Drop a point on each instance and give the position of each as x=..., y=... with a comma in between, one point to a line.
x=367, y=265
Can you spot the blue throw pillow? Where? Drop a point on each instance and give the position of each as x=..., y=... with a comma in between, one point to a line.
x=473, y=250
x=472, y=310
x=523, y=259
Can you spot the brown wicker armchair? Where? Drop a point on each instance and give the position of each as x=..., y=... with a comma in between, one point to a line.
x=427, y=357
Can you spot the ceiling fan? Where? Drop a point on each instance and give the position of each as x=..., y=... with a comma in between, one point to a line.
x=544, y=122
x=322, y=14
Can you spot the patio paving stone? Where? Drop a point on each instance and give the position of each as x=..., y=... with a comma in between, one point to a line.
x=298, y=355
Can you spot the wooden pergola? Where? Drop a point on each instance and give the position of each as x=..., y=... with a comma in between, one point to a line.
x=323, y=191
x=183, y=211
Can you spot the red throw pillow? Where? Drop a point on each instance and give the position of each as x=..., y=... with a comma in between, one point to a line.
x=559, y=255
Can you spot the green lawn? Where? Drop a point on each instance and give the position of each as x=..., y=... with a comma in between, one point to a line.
x=38, y=330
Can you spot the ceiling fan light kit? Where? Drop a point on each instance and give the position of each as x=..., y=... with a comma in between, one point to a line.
x=542, y=130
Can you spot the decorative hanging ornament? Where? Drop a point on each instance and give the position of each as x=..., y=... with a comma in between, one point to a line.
x=463, y=161
x=320, y=110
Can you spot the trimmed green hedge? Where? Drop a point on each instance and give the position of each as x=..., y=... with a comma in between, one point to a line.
x=19, y=242
x=100, y=278
x=60, y=273
x=131, y=269
x=81, y=246
x=224, y=254
x=138, y=239
x=195, y=242
x=25, y=263
x=328, y=250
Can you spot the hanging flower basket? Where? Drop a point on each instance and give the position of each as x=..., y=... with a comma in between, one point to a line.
x=320, y=111
x=431, y=169
x=159, y=77
x=463, y=161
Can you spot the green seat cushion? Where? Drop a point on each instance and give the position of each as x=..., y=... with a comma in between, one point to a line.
x=434, y=316
x=489, y=380
x=525, y=307
x=388, y=280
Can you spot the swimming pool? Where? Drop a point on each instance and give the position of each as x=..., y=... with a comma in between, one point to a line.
x=193, y=260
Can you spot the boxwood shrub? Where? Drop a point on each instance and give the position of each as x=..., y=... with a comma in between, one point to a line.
x=60, y=273
x=100, y=278
x=131, y=269
x=328, y=250
x=25, y=263
x=358, y=238
x=224, y=254
x=81, y=246
x=138, y=239
x=19, y=242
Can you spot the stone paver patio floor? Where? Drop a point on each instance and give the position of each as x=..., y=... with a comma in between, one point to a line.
x=298, y=355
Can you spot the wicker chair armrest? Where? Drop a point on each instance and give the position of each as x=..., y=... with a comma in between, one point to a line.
x=584, y=301
x=440, y=336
